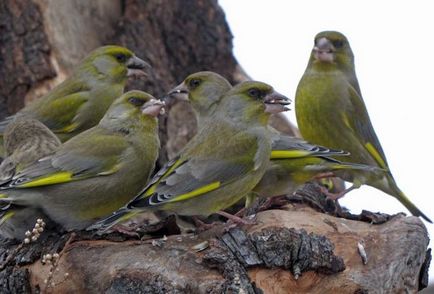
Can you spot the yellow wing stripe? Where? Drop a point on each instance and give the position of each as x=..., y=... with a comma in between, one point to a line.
x=152, y=188
x=197, y=192
x=371, y=149
x=346, y=120
x=60, y=177
x=6, y=216
x=3, y=196
x=283, y=154
x=68, y=129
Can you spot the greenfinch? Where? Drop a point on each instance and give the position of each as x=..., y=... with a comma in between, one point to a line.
x=222, y=162
x=26, y=140
x=330, y=111
x=97, y=171
x=79, y=102
x=293, y=161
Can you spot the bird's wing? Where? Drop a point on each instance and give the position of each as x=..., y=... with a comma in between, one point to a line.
x=7, y=120
x=59, y=114
x=81, y=157
x=287, y=147
x=188, y=177
x=357, y=119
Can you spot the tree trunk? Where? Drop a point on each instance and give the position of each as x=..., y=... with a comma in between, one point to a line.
x=42, y=40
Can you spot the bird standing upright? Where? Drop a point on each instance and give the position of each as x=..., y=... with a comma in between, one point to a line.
x=220, y=165
x=79, y=102
x=97, y=171
x=330, y=111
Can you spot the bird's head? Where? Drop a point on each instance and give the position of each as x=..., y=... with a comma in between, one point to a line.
x=251, y=98
x=333, y=48
x=114, y=63
x=134, y=106
x=203, y=90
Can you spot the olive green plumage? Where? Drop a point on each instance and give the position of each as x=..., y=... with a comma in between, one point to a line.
x=331, y=112
x=220, y=165
x=79, y=102
x=293, y=161
x=26, y=140
x=203, y=90
x=97, y=171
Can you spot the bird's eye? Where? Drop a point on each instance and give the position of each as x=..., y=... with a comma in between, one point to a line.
x=255, y=93
x=194, y=83
x=121, y=57
x=338, y=43
x=136, y=101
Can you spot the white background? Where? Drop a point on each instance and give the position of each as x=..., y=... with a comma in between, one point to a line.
x=393, y=44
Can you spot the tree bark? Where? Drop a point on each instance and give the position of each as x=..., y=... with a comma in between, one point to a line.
x=42, y=40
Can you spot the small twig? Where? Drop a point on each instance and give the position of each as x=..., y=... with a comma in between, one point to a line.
x=53, y=260
x=31, y=236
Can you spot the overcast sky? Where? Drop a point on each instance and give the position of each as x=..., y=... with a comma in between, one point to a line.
x=392, y=43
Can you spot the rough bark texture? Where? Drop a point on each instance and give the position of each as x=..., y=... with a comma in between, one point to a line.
x=24, y=53
x=41, y=41
x=294, y=249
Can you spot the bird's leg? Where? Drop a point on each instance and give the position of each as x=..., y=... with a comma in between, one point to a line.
x=241, y=212
x=337, y=196
x=250, y=200
x=201, y=225
x=235, y=219
x=274, y=201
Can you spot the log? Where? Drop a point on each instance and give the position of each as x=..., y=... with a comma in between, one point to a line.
x=294, y=249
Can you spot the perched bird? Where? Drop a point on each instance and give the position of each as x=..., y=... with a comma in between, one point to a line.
x=97, y=171
x=203, y=91
x=26, y=140
x=79, y=102
x=220, y=165
x=293, y=161
x=330, y=111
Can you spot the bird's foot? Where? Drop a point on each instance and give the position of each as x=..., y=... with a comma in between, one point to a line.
x=236, y=219
x=274, y=201
x=201, y=225
x=336, y=196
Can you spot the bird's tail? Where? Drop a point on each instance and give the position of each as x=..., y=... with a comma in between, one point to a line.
x=393, y=190
x=118, y=216
x=340, y=165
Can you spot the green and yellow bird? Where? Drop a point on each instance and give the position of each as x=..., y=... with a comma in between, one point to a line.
x=220, y=165
x=330, y=111
x=79, y=102
x=293, y=161
x=97, y=171
x=26, y=140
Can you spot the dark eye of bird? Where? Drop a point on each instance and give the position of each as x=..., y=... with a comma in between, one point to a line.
x=194, y=83
x=338, y=43
x=136, y=101
x=121, y=57
x=255, y=93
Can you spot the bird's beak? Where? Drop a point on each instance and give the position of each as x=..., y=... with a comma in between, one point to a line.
x=136, y=67
x=324, y=50
x=153, y=107
x=276, y=102
x=180, y=92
